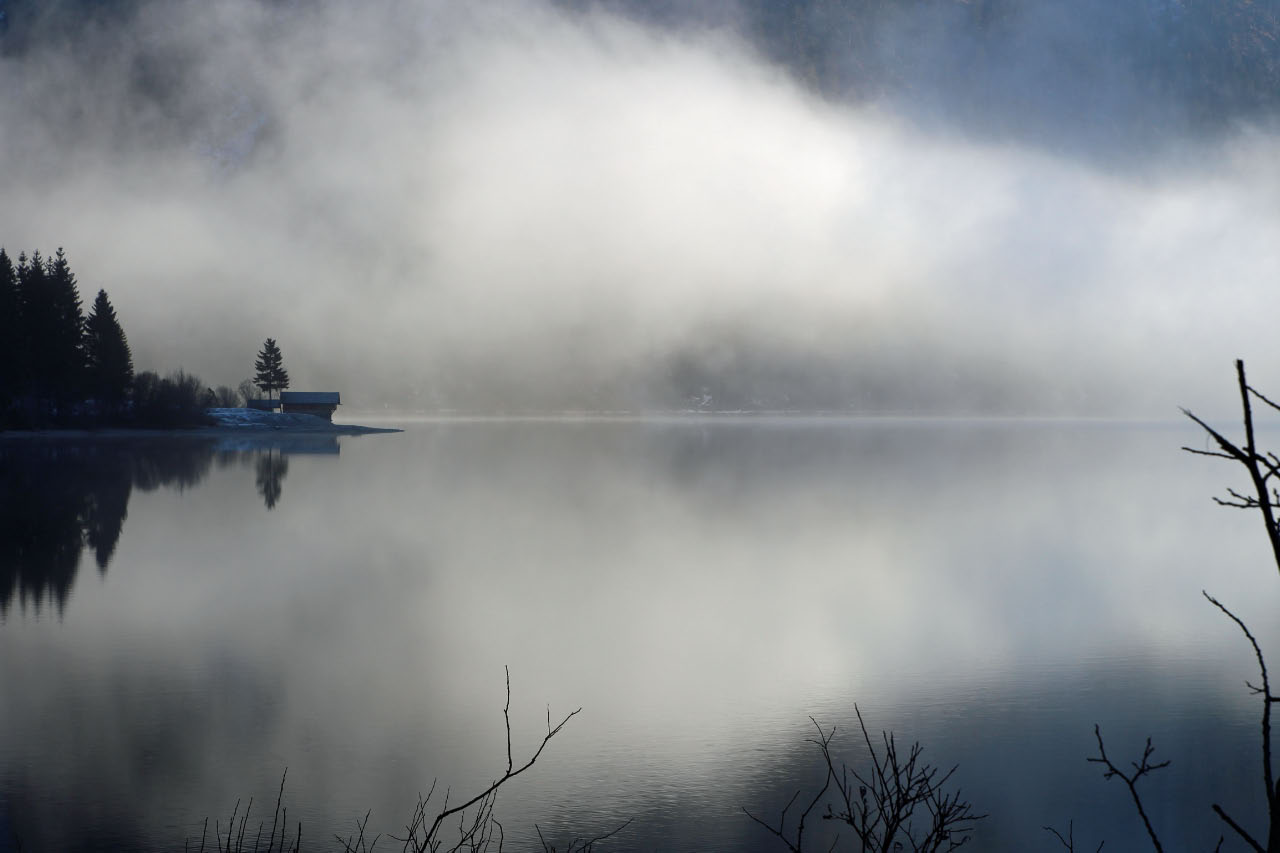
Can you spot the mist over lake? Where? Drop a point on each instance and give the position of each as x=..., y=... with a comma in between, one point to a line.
x=764, y=366
x=698, y=586
x=934, y=207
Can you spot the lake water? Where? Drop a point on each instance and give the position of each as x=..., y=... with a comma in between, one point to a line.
x=183, y=619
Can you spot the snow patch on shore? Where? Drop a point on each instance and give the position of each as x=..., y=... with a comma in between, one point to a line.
x=258, y=419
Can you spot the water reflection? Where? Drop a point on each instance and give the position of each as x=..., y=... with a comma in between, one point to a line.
x=700, y=590
x=271, y=468
x=59, y=499
x=270, y=458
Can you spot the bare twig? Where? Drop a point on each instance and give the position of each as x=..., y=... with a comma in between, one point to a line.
x=823, y=742
x=1069, y=841
x=279, y=798
x=477, y=828
x=1269, y=785
x=1268, y=699
x=1140, y=769
x=1255, y=392
x=1248, y=839
x=358, y=843
x=885, y=807
x=580, y=845
x=1199, y=452
x=506, y=715
x=1260, y=467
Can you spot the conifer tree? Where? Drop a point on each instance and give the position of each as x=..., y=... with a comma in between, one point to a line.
x=11, y=334
x=52, y=328
x=107, y=356
x=69, y=325
x=270, y=375
x=38, y=323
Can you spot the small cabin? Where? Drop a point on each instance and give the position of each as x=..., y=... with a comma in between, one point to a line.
x=318, y=403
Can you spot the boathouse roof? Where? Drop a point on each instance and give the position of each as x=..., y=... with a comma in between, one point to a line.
x=309, y=398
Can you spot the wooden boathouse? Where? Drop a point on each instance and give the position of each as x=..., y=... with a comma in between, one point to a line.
x=319, y=403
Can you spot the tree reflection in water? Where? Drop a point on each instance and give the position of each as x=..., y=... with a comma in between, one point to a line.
x=59, y=498
x=271, y=468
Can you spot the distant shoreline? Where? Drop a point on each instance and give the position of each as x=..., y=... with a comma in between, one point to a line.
x=219, y=431
x=267, y=425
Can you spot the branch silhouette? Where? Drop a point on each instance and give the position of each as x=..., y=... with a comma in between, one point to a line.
x=1261, y=466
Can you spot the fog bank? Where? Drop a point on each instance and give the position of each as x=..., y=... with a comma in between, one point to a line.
x=517, y=206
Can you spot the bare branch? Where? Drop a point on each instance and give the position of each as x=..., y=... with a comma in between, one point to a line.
x=1251, y=459
x=1229, y=450
x=1140, y=769
x=1268, y=778
x=1262, y=466
x=1255, y=392
x=506, y=716
x=823, y=742
x=1249, y=499
x=899, y=799
x=279, y=797
x=1248, y=839
x=1069, y=841
x=477, y=828
x=506, y=777
x=580, y=845
x=357, y=844
x=1199, y=452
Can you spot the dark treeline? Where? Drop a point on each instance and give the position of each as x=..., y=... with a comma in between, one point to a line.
x=59, y=367
x=56, y=360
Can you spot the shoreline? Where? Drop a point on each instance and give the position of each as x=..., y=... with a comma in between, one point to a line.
x=219, y=431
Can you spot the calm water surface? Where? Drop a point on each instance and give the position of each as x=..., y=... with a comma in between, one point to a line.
x=181, y=620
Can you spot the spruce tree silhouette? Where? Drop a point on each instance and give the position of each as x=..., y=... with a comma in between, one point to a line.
x=107, y=356
x=66, y=345
x=49, y=335
x=12, y=353
x=270, y=375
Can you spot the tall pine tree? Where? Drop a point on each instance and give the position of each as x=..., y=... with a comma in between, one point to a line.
x=270, y=375
x=69, y=328
x=38, y=322
x=53, y=327
x=12, y=351
x=108, y=360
